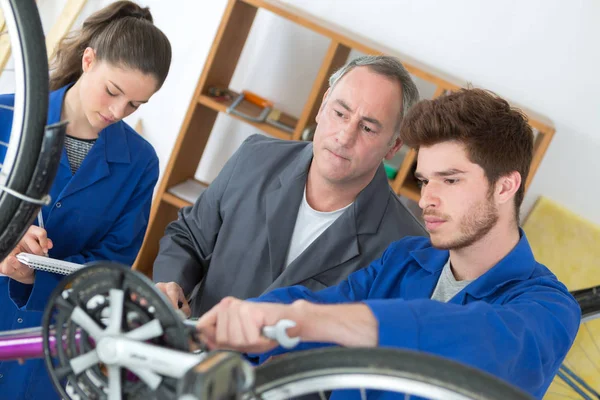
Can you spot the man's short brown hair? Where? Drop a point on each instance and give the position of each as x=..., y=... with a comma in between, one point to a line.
x=497, y=136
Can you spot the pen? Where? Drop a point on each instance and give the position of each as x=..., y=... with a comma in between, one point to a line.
x=40, y=219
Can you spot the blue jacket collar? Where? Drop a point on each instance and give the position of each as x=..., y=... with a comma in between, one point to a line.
x=114, y=138
x=515, y=266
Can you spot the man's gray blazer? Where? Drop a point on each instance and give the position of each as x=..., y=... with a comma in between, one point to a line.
x=235, y=238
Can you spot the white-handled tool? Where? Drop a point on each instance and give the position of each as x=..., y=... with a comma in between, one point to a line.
x=278, y=332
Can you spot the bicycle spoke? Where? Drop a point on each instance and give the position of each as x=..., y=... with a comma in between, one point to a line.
x=83, y=362
x=63, y=372
x=587, y=329
x=561, y=384
x=87, y=323
x=579, y=376
x=114, y=383
x=573, y=385
x=579, y=380
x=563, y=395
x=116, y=312
x=150, y=378
x=587, y=356
x=149, y=330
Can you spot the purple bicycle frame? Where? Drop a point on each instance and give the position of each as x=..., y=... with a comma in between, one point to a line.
x=25, y=344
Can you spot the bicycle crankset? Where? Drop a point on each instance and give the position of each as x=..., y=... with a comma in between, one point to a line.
x=109, y=334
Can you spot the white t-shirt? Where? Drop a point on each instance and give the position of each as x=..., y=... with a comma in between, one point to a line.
x=310, y=224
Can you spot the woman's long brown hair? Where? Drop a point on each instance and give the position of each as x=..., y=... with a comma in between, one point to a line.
x=123, y=34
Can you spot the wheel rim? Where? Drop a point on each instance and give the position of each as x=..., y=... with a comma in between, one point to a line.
x=19, y=106
x=27, y=133
x=361, y=381
x=382, y=369
x=579, y=376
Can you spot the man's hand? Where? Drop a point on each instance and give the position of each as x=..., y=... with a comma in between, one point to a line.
x=234, y=324
x=176, y=296
x=35, y=241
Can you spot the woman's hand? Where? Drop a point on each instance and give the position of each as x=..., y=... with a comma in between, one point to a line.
x=36, y=242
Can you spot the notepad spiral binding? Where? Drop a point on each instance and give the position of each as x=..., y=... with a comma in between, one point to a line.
x=41, y=263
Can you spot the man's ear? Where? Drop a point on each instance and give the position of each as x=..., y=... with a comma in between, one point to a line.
x=396, y=145
x=88, y=59
x=323, y=102
x=507, y=185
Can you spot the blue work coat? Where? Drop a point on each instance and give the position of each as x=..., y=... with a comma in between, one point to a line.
x=516, y=321
x=100, y=213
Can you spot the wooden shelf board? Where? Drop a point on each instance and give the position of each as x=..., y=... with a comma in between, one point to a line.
x=174, y=200
x=410, y=189
x=354, y=41
x=245, y=107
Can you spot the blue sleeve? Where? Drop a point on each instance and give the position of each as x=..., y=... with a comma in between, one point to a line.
x=121, y=245
x=523, y=341
x=43, y=285
x=355, y=288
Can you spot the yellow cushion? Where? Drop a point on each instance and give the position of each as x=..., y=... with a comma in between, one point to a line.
x=570, y=246
x=564, y=242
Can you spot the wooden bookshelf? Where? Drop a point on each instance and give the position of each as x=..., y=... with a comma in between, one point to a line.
x=220, y=65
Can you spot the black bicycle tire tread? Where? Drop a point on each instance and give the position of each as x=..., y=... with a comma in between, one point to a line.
x=409, y=364
x=589, y=300
x=31, y=37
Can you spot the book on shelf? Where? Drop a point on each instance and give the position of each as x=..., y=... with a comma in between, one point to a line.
x=189, y=190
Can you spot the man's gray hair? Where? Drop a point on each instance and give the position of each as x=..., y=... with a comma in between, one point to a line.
x=387, y=66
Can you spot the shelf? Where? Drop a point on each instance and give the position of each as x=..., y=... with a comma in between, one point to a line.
x=221, y=63
x=351, y=40
x=175, y=201
x=185, y=193
x=248, y=108
x=410, y=190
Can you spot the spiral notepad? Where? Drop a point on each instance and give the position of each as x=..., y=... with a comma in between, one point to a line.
x=48, y=264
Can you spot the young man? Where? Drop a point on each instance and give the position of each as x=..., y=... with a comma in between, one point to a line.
x=283, y=213
x=473, y=292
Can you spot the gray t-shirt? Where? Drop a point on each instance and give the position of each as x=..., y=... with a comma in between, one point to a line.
x=447, y=286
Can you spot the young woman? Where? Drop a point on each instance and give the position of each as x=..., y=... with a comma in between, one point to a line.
x=102, y=192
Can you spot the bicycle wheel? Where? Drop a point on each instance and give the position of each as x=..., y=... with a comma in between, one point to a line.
x=22, y=150
x=80, y=327
x=579, y=376
x=404, y=372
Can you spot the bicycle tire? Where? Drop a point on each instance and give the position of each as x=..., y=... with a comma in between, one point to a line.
x=421, y=368
x=29, y=120
x=570, y=382
x=589, y=302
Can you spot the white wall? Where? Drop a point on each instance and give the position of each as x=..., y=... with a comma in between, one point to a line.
x=542, y=54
